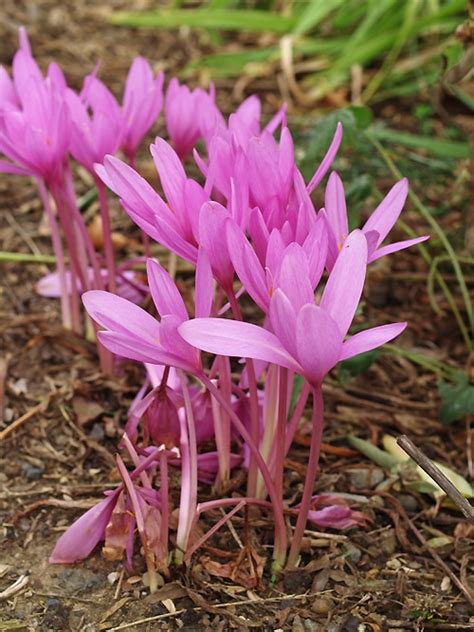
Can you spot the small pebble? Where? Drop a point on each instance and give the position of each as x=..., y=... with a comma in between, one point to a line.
x=408, y=502
x=365, y=478
x=32, y=473
x=322, y=605
x=352, y=552
x=97, y=433
x=53, y=604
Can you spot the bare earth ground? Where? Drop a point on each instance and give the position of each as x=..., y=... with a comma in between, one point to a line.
x=60, y=459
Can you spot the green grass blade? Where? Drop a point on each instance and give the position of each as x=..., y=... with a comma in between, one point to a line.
x=438, y=147
x=314, y=14
x=225, y=19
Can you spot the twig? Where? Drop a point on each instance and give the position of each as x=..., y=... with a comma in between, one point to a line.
x=41, y=407
x=435, y=473
x=421, y=538
x=18, y=585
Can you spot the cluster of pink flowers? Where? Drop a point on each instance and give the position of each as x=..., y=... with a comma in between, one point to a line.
x=249, y=228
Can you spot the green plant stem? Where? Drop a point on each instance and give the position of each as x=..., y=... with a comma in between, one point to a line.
x=21, y=257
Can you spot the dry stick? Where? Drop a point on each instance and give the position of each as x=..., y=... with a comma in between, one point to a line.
x=21, y=420
x=437, y=475
x=441, y=563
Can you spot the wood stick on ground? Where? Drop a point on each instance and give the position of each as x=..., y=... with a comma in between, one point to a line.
x=39, y=408
x=437, y=475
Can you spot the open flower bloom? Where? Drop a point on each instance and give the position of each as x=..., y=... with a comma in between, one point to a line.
x=133, y=333
x=142, y=103
x=34, y=118
x=376, y=228
x=305, y=338
x=97, y=122
x=189, y=115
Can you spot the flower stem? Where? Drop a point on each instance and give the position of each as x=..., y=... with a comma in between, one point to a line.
x=279, y=550
x=253, y=395
x=107, y=235
x=58, y=253
x=316, y=435
x=188, y=500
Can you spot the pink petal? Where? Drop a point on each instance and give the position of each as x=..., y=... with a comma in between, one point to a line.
x=327, y=160
x=164, y=292
x=213, y=218
x=387, y=212
x=85, y=533
x=283, y=321
x=336, y=210
x=318, y=341
x=133, y=348
x=232, y=338
x=171, y=172
x=121, y=316
x=204, y=286
x=247, y=265
x=370, y=339
x=346, y=281
x=293, y=277
x=399, y=245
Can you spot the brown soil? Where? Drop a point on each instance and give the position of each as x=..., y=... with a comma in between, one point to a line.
x=61, y=457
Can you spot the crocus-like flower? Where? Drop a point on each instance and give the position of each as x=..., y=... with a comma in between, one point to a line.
x=259, y=280
x=306, y=338
x=142, y=103
x=34, y=119
x=189, y=115
x=376, y=228
x=133, y=333
x=99, y=133
x=174, y=224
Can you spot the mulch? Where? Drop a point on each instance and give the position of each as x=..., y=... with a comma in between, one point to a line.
x=63, y=419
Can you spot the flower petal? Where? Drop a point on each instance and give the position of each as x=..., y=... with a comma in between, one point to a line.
x=327, y=160
x=318, y=341
x=121, y=316
x=370, y=339
x=398, y=245
x=232, y=338
x=387, y=212
x=85, y=533
x=164, y=292
x=344, y=287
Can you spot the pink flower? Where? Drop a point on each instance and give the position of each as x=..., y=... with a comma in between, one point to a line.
x=34, y=119
x=133, y=333
x=97, y=122
x=306, y=338
x=376, y=228
x=142, y=104
x=189, y=114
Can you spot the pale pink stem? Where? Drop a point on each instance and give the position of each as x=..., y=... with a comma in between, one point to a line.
x=315, y=448
x=76, y=304
x=222, y=424
x=223, y=502
x=59, y=255
x=213, y=530
x=107, y=235
x=296, y=416
x=279, y=550
x=84, y=234
x=188, y=499
x=136, y=460
x=137, y=510
x=253, y=398
x=280, y=429
x=164, y=493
